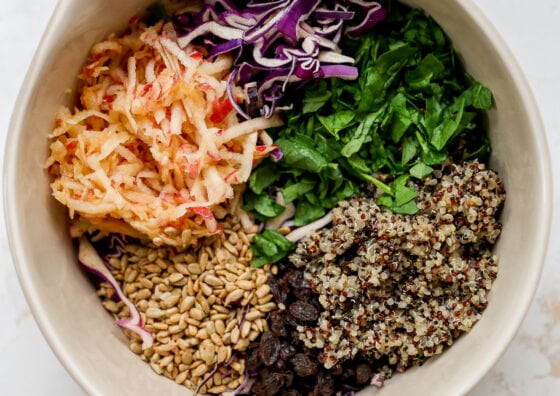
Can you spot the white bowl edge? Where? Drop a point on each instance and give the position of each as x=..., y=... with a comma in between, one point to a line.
x=17, y=246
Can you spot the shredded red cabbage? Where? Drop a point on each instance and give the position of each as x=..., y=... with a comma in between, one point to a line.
x=378, y=380
x=227, y=373
x=206, y=379
x=115, y=249
x=244, y=386
x=243, y=316
x=276, y=155
x=92, y=262
x=279, y=43
x=374, y=14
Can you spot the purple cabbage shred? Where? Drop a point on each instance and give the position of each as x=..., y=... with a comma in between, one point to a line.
x=280, y=44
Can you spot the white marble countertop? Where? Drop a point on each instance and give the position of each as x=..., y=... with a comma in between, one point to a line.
x=531, y=364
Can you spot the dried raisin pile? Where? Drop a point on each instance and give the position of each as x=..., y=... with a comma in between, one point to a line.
x=282, y=365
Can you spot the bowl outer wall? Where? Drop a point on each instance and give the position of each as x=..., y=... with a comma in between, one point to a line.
x=81, y=333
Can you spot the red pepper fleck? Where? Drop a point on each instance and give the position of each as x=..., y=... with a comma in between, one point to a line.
x=204, y=87
x=203, y=212
x=72, y=145
x=88, y=72
x=159, y=68
x=146, y=89
x=221, y=108
x=232, y=176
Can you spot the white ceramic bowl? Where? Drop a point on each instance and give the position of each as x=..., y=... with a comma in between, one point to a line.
x=79, y=330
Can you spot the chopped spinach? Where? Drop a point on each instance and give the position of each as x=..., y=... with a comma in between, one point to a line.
x=412, y=106
x=269, y=247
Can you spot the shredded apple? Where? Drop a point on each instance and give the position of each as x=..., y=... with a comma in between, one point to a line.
x=155, y=148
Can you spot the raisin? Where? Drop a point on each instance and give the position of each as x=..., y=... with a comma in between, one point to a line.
x=363, y=374
x=289, y=376
x=253, y=359
x=287, y=350
x=278, y=291
x=291, y=321
x=303, y=311
x=269, y=348
x=325, y=384
x=280, y=364
x=290, y=392
x=303, y=294
x=296, y=280
x=277, y=325
x=303, y=365
x=268, y=385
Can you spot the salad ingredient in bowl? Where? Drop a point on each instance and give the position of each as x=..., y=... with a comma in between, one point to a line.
x=378, y=292
x=155, y=143
x=256, y=218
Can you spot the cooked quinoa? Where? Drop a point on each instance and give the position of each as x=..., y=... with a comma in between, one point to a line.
x=402, y=287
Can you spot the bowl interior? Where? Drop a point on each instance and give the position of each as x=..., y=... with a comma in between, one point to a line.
x=81, y=332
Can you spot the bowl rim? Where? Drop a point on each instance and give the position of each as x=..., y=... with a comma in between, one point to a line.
x=47, y=327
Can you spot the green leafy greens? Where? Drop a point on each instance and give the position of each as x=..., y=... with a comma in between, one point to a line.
x=412, y=107
x=270, y=247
